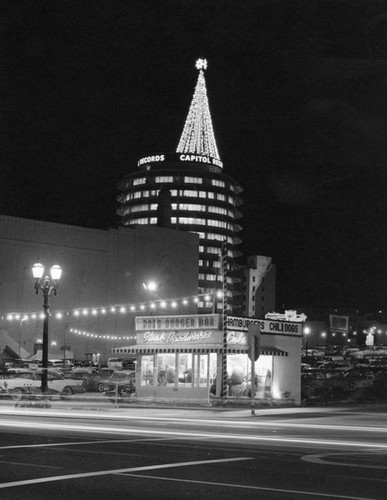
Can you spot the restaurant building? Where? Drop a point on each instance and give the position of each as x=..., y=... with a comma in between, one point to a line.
x=181, y=358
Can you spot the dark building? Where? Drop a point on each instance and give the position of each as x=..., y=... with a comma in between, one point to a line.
x=101, y=289
x=187, y=190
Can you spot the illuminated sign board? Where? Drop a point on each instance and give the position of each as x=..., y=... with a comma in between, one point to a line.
x=181, y=337
x=236, y=338
x=338, y=323
x=178, y=322
x=239, y=324
x=179, y=157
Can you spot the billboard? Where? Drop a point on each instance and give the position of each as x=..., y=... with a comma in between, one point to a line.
x=338, y=323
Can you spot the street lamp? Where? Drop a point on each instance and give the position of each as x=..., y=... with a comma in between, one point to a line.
x=151, y=287
x=46, y=285
x=306, y=332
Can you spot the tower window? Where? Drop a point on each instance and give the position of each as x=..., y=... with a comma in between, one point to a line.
x=193, y=180
x=164, y=178
x=141, y=180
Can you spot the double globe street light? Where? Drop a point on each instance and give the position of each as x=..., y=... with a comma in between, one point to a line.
x=46, y=285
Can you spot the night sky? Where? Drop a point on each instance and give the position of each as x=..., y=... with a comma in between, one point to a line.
x=298, y=97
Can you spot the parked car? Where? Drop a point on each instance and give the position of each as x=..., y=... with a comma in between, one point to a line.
x=317, y=384
x=24, y=382
x=90, y=379
x=120, y=386
x=97, y=381
x=123, y=379
x=60, y=364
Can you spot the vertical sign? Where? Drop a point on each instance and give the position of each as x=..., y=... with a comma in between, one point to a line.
x=254, y=339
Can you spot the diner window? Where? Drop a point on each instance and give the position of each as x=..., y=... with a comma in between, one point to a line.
x=146, y=370
x=200, y=370
x=185, y=369
x=166, y=369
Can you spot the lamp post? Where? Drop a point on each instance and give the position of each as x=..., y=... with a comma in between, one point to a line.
x=306, y=332
x=46, y=285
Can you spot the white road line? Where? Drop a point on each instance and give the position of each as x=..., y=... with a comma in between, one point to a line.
x=30, y=465
x=259, y=488
x=117, y=471
x=317, y=459
x=75, y=443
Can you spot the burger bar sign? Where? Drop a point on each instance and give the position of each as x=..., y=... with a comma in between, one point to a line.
x=241, y=324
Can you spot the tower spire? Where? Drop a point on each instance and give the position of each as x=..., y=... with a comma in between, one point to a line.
x=198, y=135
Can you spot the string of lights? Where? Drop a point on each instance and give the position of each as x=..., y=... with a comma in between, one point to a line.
x=198, y=134
x=100, y=336
x=77, y=312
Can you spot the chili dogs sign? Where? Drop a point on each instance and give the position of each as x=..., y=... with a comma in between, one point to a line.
x=239, y=324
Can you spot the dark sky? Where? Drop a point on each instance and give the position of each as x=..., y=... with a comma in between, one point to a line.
x=298, y=96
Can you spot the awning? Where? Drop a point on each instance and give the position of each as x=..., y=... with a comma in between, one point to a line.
x=203, y=349
x=264, y=351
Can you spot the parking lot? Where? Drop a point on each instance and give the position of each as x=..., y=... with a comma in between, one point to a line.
x=337, y=373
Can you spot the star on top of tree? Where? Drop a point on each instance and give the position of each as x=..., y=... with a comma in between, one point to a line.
x=201, y=64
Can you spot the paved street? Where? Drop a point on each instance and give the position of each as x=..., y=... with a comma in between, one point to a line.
x=173, y=453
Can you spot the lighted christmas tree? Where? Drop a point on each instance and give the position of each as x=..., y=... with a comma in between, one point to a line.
x=198, y=135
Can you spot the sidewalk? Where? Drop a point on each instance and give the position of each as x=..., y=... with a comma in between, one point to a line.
x=95, y=401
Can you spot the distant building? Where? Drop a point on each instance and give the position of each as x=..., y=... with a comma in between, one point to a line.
x=101, y=289
x=258, y=286
x=187, y=190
